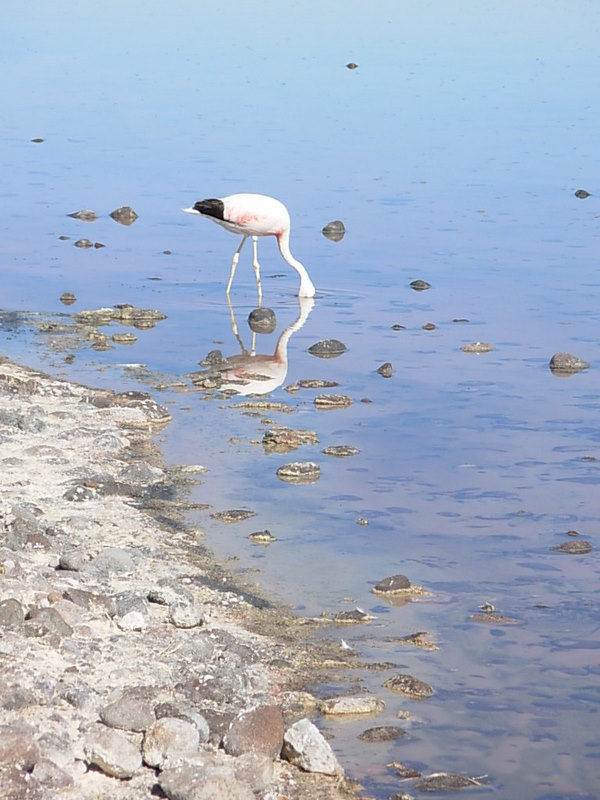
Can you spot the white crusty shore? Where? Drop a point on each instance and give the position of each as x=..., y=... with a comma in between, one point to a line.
x=132, y=666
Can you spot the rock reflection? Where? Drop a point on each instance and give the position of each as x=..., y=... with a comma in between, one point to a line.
x=253, y=373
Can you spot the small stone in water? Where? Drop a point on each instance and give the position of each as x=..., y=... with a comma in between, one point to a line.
x=332, y=401
x=341, y=450
x=578, y=548
x=124, y=338
x=335, y=231
x=328, y=348
x=442, y=781
x=385, y=370
x=429, y=326
x=67, y=298
x=316, y=383
x=262, y=320
x=351, y=65
x=83, y=243
x=299, y=472
x=419, y=285
x=582, y=194
x=234, y=515
x=125, y=215
x=86, y=215
x=351, y=617
x=395, y=584
x=409, y=686
x=563, y=364
x=37, y=140
x=398, y=327
x=383, y=733
x=477, y=347
x=353, y=704
x=404, y=771
x=98, y=245
x=262, y=537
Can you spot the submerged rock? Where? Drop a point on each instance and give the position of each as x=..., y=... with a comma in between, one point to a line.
x=335, y=231
x=383, y=733
x=262, y=320
x=125, y=215
x=299, y=472
x=409, y=686
x=477, y=347
x=564, y=364
x=86, y=215
x=328, y=348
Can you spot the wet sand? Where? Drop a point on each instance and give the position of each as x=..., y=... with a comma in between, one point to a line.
x=128, y=654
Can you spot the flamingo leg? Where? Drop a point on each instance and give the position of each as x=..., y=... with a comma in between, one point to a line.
x=256, y=266
x=236, y=258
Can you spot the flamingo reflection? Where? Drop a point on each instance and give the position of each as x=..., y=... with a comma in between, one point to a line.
x=251, y=372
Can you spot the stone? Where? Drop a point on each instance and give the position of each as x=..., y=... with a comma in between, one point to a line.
x=328, y=348
x=112, y=753
x=258, y=730
x=385, y=370
x=167, y=593
x=565, y=364
x=17, y=784
x=477, y=347
x=133, y=621
x=130, y=710
x=74, y=560
x=353, y=704
x=12, y=614
x=181, y=710
x=50, y=775
x=383, y=733
x=198, y=781
x=114, y=560
x=169, y=741
x=299, y=472
x=409, y=686
x=85, y=214
x=124, y=215
x=183, y=614
x=18, y=748
x=254, y=769
x=420, y=285
x=395, y=584
x=332, y=401
x=46, y=621
x=334, y=231
x=578, y=548
x=305, y=747
x=262, y=320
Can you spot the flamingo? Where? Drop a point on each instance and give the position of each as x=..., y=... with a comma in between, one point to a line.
x=254, y=215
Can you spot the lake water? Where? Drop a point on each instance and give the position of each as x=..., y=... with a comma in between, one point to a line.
x=452, y=154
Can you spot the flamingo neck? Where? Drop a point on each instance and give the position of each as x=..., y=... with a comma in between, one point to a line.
x=307, y=288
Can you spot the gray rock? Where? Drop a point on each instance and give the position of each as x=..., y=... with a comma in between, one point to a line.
x=181, y=710
x=125, y=602
x=305, y=746
x=255, y=770
x=258, y=730
x=262, y=320
x=50, y=775
x=166, y=593
x=124, y=215
x=328, y=348
x=395, y=584
x=335, y=230
x=12, y=614
x=74, y=560
x=79, y=494
x=133, y=621
x=130, y=710
x=46, y=621
x=169, y=741
x=112, y=752
x=113, y=560
x=17, y=784
x=200, y=782
x=183, y=614
x=564, y=364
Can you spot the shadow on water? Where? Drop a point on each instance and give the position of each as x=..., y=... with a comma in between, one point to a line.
x=452, y=153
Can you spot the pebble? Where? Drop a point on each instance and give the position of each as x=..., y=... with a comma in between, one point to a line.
x=328, y=348
x=444, y=782
x=420, y=285
x=385, y=370
x=352, y=704
x=357, y=615
x=578, y=548
x=429, y=326
x=124, y=338
x=125, y=215
x=477, y=347
x=262, y=537
x=133, y=621
x=183, y=614
x=262, y=320
x=67, y=298
x=582, y=194
x=409, y=686
x=316, y=383
x=234, y=515
x=282, y=440
x=299, y=472
x=341, y=450
x=334, y=231
x=383, y=733
x=395, y=584
x=12, y=614
x=351, y=65
x=112, y=753
x=169, y=741
x=86, y=215
x=562, y=364
x=305, y=746
x=332, y=401
x=83, y=244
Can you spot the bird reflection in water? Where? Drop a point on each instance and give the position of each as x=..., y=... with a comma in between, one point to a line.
x=254, y=373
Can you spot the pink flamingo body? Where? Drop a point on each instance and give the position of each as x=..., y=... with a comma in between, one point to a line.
x=254, y=215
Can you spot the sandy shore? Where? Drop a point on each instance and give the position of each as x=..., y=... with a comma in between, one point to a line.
x=132, y=665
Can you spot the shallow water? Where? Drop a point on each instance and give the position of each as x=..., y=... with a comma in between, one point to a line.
x=452, y=154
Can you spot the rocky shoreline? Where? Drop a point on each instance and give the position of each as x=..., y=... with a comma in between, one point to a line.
x=132, y=665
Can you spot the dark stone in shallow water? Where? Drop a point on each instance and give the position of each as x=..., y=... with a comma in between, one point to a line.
x=262, y=320
x=563, y=364
x=335, y=231
x=385, y=370
x=125, y=215
x=419, y=285
x=328, y=348
x=582, y=194
x=578, y=548
x=383, y=733
x=393, y=585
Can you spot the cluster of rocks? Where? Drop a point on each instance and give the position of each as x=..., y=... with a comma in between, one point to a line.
x=131, y=665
